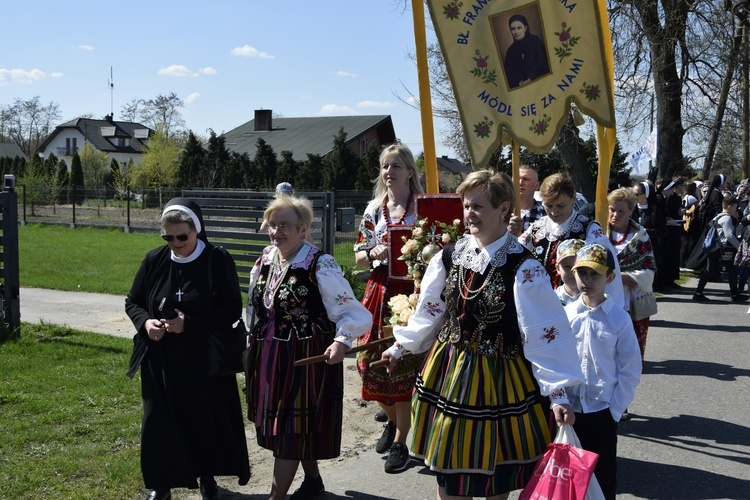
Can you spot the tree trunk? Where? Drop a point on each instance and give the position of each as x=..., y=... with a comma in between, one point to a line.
x=571, y=148
x=722, y=104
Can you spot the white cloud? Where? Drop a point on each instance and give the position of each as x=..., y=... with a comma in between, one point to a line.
x=208, y=70
x=346, y=74
x=335, y=109
x=175, y=70
x=248, y=51
x=20, y=76
x=86, y=47
x=192, y=98
x=56, y=75
x=376, y=104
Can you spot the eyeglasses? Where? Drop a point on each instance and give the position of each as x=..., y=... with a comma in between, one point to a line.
x=281, y=228
x=179, y=237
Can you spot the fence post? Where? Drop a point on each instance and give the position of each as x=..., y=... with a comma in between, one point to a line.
x=24, y=204
x=10, y=288
x=73, y=195
x=329, y=225
x=127, y=204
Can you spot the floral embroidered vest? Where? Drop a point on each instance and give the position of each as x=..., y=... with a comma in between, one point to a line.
x=298, y=306
x=488, y=320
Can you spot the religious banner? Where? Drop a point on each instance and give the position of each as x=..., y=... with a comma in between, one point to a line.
x=516, y=65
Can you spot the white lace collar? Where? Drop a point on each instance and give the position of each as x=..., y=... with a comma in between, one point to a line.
x=552, y=231
x=467, y=256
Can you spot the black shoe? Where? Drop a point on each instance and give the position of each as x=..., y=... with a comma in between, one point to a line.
x=160, y=495
x=386, y=439
x=740, y=297
x=209, y=488
x=675, y=286
x=310, y=488
x=398, y=458
x=699, y=297
x=381, y=416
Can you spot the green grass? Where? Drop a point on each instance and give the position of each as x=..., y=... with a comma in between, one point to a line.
x=69, y=417
x=96, y=260
x=81, y=259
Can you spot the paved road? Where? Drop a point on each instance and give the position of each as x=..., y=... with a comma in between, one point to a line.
x=688, y=439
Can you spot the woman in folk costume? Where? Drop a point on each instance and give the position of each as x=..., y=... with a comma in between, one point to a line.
x=392, y=204
x=634, y=253
x=564, y=222
x=304, y=308
x=192, y=422
x=500, y=353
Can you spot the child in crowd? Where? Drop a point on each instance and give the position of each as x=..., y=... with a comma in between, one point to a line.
x=566, y=257
x=725, y=255
x=610, y=361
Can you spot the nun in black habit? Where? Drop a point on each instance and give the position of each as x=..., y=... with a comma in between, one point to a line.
x=192, y=423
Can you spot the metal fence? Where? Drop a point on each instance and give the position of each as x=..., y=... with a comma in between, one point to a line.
x=138, y=210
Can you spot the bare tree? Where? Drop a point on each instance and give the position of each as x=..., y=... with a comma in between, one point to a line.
x=28, y=123
x=163, y=112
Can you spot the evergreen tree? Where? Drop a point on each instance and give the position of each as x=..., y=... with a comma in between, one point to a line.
x=191, y=161
x=76, y=171
x=215, y=161
x=265, y=164
x=62, y=173
x=369, y=169
x=308, y=174
x=340, y=165
x=234, y=173
x=287, y=170
x=19, y=166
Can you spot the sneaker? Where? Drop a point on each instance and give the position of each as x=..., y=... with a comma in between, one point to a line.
x=740, y=297
x=699, y=297
x=310, y=488
x=386, y=439
x=381, y=416
x=398, y=458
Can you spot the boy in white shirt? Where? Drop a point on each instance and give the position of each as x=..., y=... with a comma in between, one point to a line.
x=610, y=361
x=566, y=257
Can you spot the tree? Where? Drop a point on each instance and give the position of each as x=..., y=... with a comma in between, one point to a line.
x=191, y=161
x=76, y=171
x=340, y=165
x=160, y=166
x=95, y=164
x=369, y=169
x=33, y=179
x=237, y=168
x=264, y=168
x=215, y=161
x=28, y=123
x=162, y=111
x=287, y=169
x=308, y=175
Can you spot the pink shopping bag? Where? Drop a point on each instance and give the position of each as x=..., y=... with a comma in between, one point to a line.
x=563, y=473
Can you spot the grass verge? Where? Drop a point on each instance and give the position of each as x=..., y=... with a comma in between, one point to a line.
x=69, y=417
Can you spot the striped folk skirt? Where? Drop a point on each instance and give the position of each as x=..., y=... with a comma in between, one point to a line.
x=478, y=421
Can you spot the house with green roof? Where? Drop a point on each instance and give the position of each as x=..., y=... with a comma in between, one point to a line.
x=313, y=135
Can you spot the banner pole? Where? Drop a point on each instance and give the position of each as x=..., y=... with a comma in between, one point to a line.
x=515, y=161
x=425, y=98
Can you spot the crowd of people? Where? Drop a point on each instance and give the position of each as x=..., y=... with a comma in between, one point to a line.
x=527, y=322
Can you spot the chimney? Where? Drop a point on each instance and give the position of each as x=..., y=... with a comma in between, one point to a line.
x=262, y=120
x=109, y=119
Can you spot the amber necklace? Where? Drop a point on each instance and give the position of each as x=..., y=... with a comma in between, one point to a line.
x=277, y=269
x=387, y=214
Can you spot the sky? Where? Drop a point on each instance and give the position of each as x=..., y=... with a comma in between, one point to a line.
x=224, y=58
